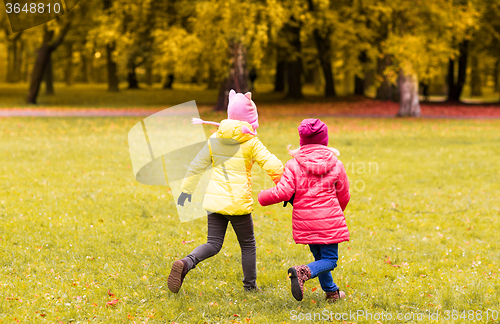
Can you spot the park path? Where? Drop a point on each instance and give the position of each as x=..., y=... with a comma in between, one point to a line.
x=77, y=112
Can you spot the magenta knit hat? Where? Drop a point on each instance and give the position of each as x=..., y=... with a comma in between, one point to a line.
x=313, y=131
x=241, y=107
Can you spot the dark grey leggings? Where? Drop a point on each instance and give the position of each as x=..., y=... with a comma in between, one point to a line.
x=243, y=227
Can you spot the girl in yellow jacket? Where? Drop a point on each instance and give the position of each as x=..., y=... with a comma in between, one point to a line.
x=231, y=151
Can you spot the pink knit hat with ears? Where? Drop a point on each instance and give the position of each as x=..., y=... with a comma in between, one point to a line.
x=240, y=107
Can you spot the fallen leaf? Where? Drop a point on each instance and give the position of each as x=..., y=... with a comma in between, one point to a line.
x=112, y=302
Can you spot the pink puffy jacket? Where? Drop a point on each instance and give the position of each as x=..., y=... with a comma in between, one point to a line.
x=321, y=189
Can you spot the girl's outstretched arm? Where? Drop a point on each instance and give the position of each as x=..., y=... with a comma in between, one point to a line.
x=342, y=188
x=283, y=190
x=267, y=161
x=196, y=168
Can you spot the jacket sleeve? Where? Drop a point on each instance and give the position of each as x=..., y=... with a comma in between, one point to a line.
x=342, y=188
x=267, y=161
x=196, y=168
x=282, y=192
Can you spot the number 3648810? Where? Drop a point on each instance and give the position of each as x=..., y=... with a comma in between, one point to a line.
x=33, y=8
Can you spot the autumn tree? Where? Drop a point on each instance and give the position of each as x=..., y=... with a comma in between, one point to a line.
x=53, y=35
x=233, y=34
x=420, y=42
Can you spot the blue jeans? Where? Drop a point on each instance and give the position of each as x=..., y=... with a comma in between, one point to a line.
x=326, y=256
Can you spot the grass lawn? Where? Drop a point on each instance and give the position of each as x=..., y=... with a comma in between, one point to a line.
x=96, y=96
x=75, y=227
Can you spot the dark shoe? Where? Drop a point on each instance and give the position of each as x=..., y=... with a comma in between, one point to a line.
x=176, y=276
x=298, y=275
x=253, y=289
x=332, y=297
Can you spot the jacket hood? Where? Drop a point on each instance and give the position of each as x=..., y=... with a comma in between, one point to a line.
x=231, y=132
x=316, y=159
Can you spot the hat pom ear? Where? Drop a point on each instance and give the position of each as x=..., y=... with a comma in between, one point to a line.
x=246, y=130
x=335, y=151
x=232, y=93
x=196, y=121
x=292, y=153
x=248, y=95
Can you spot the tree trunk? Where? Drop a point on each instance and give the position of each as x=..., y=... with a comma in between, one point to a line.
x=369, y=77
x=462, y=68
x=359, y=82
x=86, y=68
x=279, y=81
x=294, y=74
x=15, y=47
x=169, y=80
x=475, y=77
x=347, y=82
x=450, y=80
x=11, y=53
x=425, y=90
x=385, y=90
x=18, y=64
x=496, y=75
x=294, y=65
x=324, y=47
x=132, y=76
x=42, y=57
x=149, y=73
x=238, y=77
x=68, y=72
x=324, y=50
x=408, y=88
x=49, y=77
x=455, y=89
x=223, y=96
x=111, y=65
x=240, y=74
x=211, y=83
x=42, y=60
x=359, y=86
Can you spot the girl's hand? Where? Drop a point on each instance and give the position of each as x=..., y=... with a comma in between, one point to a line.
x=182, y=198
x=289, y=201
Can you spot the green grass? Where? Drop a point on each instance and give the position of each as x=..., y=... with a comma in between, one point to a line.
x=74, y=224
x=96, y=95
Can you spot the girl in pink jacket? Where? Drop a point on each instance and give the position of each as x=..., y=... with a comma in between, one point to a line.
x=316, y=184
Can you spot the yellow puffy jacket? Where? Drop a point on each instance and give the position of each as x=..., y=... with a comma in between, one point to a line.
x=232, y=154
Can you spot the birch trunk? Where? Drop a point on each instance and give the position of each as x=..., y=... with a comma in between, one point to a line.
x=408, y=89
x=237, y=80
